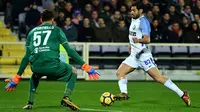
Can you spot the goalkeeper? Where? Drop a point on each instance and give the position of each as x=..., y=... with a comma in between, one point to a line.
x=42, y=51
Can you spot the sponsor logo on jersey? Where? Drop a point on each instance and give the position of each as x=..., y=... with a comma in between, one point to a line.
x=134, y=27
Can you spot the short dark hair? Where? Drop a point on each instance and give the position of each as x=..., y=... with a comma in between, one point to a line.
x=121, y=20
x=175, y=22
x=68, y=17
x=47, y=15
x=138, y=5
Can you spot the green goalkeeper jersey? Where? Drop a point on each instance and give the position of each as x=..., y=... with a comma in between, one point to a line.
x=44, y=43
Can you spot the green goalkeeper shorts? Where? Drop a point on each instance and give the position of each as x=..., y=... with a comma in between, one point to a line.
x=61, y=73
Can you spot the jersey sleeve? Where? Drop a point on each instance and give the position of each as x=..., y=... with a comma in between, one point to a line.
x=145, y=27
x=62, y=37
x=28, y=40
x=25, y=59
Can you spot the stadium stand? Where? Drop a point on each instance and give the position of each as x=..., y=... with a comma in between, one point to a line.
x=168, y=57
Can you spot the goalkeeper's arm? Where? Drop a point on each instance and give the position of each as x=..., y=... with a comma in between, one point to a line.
x=93, y=74
x=24, y=62
x=12, y=82
x=73, y=54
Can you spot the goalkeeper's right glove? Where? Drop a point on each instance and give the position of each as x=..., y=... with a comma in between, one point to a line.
x=92, y=73
x=12, y=83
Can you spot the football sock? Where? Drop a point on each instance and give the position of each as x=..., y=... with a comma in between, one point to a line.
x=34, y=81
x=123, y=85
x=169, y=84
x=70, y=85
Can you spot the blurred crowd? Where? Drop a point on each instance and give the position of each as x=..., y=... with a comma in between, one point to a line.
x=172, y=21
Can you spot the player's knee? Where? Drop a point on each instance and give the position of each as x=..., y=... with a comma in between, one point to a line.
x=74, y=70
x=120, y=75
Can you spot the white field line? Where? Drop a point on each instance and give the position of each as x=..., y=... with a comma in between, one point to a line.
x=99, y=110
x=79, y=91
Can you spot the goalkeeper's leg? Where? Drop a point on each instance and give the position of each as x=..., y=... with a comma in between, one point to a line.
x=34, y=82
x=71, y=81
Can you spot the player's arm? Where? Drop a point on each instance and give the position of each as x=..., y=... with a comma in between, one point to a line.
x=145, y=29
x=12, y=82
x=129, y=48
x=93, y=74
x=73, y=54
x=24, y=62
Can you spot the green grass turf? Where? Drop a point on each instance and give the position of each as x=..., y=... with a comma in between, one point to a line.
x=145, y=97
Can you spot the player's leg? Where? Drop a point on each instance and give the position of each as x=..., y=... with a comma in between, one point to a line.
x=66, y=101
x=158, y=77
x=121, y=73
x=127, y=66
x=34, y=82
x=68, y=74
x=71, y=83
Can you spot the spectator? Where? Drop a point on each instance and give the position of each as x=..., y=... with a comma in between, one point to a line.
x=196, y=9
x=86, y=33
x=188, y=13
x=185, y=23
x=70, y=30
x=115, y=18
x=30, y=20
x=146, y=5
x=77, y=17
x=165, y=22
x=121, y=32
x=197, y=19
x=149, y=16
x=82, y=3
x=192, y=35
x=156, y=12
x=181, y=5
x=17, y=8
x=123, y=11
x=106, y=13
x=52, y=8
x=174, y=16
x=68, y=10
x=46, y=3
x=156, y=31
x=189, y=2
x=102, y=32
x=8, y=15
x=96, y=5
x=37, y=2
x=173, y=34
x=87, y=11
x=74, y=3
x=60, y=5
x=163, y=4
x=94, y=18
x=60, y=19
x=128, y=19
x=2, y=5
x=22, y=23
x=114, y=5
x=128, y=4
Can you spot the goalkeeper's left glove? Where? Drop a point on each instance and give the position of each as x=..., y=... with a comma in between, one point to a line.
x=12, y=83
x=92, y=73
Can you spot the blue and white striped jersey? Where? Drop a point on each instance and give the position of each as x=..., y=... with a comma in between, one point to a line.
x=138, y=28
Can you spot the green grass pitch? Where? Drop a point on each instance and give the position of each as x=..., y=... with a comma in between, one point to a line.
x=145, y=97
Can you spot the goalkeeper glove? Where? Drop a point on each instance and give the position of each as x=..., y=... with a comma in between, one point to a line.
x=92, y=73
x=12, y=83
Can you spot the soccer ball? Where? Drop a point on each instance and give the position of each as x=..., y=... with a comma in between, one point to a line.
x=107, y=99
